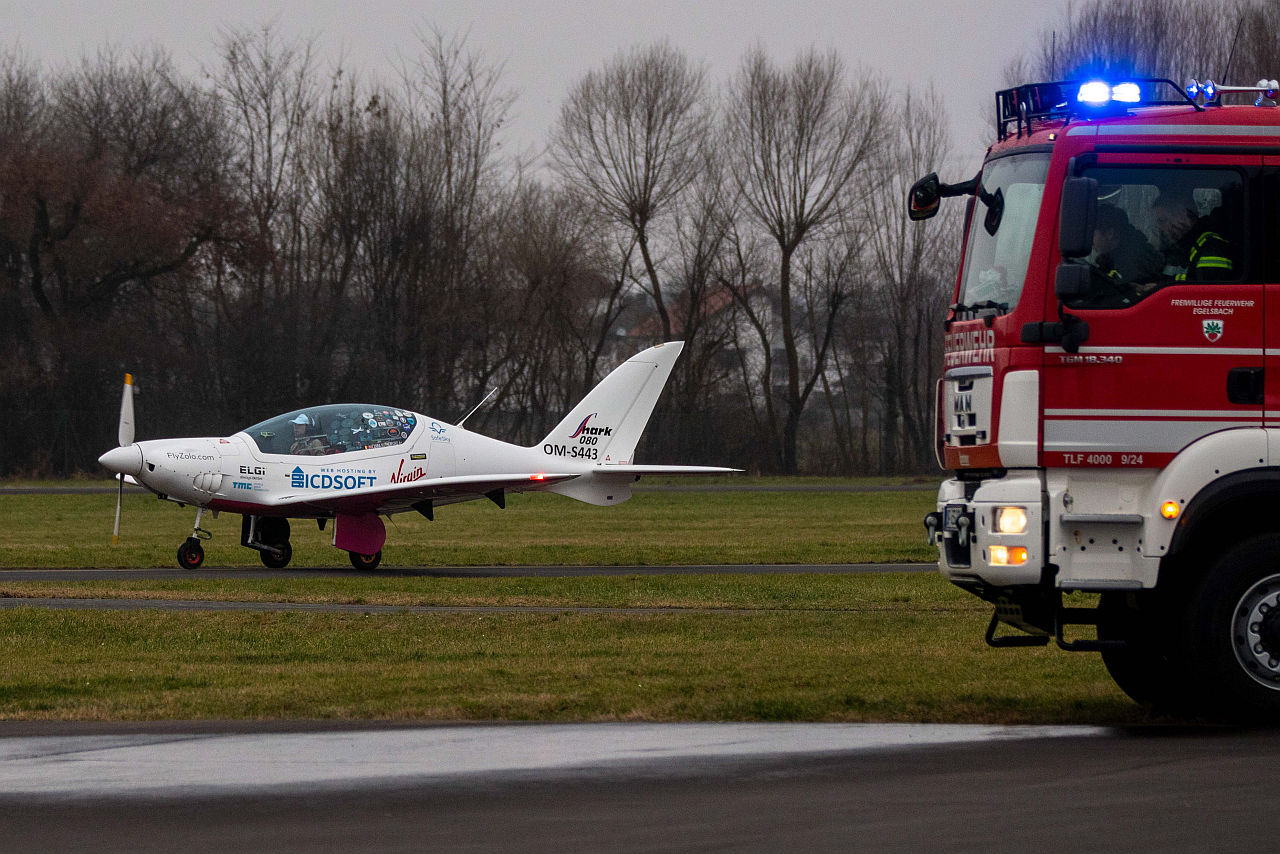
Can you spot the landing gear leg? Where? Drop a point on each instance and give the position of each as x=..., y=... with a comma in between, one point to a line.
x=269, y=537
x=191, y=553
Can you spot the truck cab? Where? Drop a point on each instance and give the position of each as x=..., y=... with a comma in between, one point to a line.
x=1109, y=401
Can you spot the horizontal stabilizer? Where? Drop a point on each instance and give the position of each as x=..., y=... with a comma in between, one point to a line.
x=663, y=471
x=611, y=484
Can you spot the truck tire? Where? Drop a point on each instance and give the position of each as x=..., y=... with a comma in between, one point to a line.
x=1152, y=668
x=1235, y=631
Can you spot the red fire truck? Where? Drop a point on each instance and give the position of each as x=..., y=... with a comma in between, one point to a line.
x=1110, y=399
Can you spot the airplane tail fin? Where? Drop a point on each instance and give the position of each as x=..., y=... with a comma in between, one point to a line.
x=606, y=425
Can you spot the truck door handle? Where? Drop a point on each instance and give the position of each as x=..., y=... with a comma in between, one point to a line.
x=1245, y=386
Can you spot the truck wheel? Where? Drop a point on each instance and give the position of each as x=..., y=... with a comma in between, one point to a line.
x=1151, y=668
x=1235, y=630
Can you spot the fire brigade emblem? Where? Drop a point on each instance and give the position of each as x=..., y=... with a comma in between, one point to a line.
x=1212, y=329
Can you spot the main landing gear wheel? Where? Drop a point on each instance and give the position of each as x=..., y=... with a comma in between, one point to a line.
x=274, y=531
x=360, y=561
x=277, y=561
x=190, y=554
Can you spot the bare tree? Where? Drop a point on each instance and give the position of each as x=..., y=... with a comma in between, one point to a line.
x=552, y=310
x=454, y=105
x=913, y=267
x=24, y=115
x=113, y=189
x=629, y=138
x=1256, y=48
x=268, y=91
x=799, y=140
x=699, y=405
x=1158, y=38
x=116, y=183
x=354, y=155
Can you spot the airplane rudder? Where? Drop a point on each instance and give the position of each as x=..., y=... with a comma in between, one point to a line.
x=606, y=408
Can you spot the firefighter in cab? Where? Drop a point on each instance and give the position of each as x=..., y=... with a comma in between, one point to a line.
x=1193, y=249
x=1122, y=256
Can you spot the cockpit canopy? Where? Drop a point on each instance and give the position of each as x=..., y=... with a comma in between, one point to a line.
x=338, y=428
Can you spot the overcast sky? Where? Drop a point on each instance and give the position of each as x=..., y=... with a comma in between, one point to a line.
x=961, y=46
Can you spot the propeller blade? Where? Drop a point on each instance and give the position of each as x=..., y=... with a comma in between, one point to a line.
x=126, y=414
x=115, y=532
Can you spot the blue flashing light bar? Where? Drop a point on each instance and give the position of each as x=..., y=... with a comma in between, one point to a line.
x=1127, y=93
x=1097, y=93
x=1021, y=107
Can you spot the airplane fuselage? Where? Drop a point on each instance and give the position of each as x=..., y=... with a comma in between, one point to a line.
x=356, y=463
x=234, y=474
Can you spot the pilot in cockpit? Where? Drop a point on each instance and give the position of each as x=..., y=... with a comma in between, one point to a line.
x=303, y=442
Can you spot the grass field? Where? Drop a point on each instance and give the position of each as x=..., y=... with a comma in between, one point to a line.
x=894, y=647
x=653, y=528
x=888, y=658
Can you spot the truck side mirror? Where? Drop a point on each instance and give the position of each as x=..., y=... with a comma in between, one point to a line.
x=1077, y=216
x=924, y=197
x=1072, y=281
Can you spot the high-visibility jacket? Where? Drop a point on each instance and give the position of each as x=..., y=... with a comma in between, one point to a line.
x=1208, y=258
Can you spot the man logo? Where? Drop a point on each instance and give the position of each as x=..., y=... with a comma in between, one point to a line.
x=1212, y=329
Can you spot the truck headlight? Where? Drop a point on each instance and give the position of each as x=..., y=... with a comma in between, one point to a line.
x=1011, y=520
x=1007, y=556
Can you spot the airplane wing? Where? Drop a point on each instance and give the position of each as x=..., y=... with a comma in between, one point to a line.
x=410, y=496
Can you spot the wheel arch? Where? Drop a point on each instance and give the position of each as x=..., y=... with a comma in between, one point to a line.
x=1223, y=513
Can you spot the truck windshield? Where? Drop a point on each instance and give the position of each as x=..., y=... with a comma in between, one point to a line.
x=1001, y=230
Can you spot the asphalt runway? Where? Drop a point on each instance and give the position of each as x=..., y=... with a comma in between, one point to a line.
x=33, y=574
x=634, y=787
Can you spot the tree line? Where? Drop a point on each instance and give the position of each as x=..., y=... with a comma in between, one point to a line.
x=273, y=233
x=1235, y=43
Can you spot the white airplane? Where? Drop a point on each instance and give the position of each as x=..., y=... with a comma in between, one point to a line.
x=354, y=463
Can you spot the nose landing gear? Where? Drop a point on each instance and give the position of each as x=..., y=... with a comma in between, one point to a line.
x=191, y=553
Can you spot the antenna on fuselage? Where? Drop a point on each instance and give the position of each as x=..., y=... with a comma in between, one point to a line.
x=491, y=393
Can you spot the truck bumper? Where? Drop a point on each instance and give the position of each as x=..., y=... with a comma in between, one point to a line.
x=991, y=532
